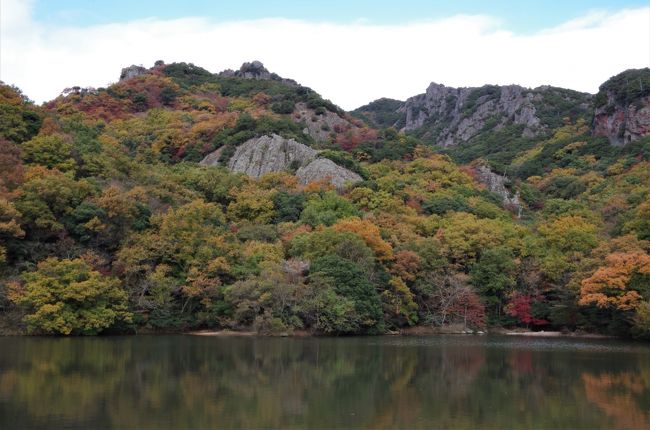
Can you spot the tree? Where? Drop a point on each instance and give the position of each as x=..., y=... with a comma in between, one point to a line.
x=288, y=207
x=328, y=242
x=399, y=305
x=68, y=297
x=11, y=168
x=54, y=151
x=252, y=204
x=327, y=209
x=19, y=119
x=641, y=320
x=9, y=227
x=494, y=275
x=570, y=233
x=350, y=281
x=48, y=196
x=640, y=222
x=613, y=285
x=326, y=311
x=370, y=234
x=520, y=307
x=268, y=302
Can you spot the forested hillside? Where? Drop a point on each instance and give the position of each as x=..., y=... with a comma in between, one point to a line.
x=122, y=209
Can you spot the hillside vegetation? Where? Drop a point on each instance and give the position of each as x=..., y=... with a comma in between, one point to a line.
x=108, y=224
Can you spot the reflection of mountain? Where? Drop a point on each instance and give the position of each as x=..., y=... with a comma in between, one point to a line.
x=185, y=382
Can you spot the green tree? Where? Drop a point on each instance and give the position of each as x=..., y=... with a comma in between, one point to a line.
x=288, y=206
x=494, y=275
x=350, y=281
x=54, y=151
x=69, y=297
x=327, y=209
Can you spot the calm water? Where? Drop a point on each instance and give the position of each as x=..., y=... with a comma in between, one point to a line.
x=444, y=382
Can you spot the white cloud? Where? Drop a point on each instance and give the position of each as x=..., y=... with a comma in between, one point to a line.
x=351, y=64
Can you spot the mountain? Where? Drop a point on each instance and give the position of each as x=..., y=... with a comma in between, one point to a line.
x=178, y=198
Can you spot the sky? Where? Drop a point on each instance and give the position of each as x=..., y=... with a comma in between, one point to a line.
x=351, y=52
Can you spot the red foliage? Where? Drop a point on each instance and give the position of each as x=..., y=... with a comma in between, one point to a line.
x=348, y=137
x=520, y=307
x=412, y=203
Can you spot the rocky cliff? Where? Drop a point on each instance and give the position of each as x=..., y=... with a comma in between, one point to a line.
x=622, y=112
x=497, y=184
x=274, y=153
x=450, y=116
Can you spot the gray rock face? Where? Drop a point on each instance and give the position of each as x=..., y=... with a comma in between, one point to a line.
x=132, y=72
x=323, y=168
x=497, y=184
x=266, y=154
x=212, y=159
x=458, y=114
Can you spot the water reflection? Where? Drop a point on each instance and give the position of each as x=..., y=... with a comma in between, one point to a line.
x=370, y=383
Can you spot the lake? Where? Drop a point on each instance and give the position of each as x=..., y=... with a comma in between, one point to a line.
x=434, y=382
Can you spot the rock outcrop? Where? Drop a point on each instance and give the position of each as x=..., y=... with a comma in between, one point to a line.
x=132, y=72
x=622, y=112
x=266, y=154
x=322, y=168
x=255, y=70
x=497, y=184
x=274, y=153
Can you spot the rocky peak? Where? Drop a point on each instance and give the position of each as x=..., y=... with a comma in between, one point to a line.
x=622, y=111
x=132, y=72
x=255, y=70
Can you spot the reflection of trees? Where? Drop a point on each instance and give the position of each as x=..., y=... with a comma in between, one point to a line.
x=617, y=394
x=374, y=383
x=61, y=379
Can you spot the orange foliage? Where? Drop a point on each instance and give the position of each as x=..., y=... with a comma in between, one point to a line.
x=369, y=232
x=406, y=265
x=608, y=286
x=292, y=230
x=323, y=185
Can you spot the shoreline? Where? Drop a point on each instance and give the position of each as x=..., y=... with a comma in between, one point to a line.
x=411, y=331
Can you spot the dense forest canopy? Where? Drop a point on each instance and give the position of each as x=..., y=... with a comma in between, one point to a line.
x=108, y=223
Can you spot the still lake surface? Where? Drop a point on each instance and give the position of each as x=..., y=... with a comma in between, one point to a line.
x=436, y=382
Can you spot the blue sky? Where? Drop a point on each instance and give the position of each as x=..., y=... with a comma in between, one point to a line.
x=351, y=52
x=520, y=16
